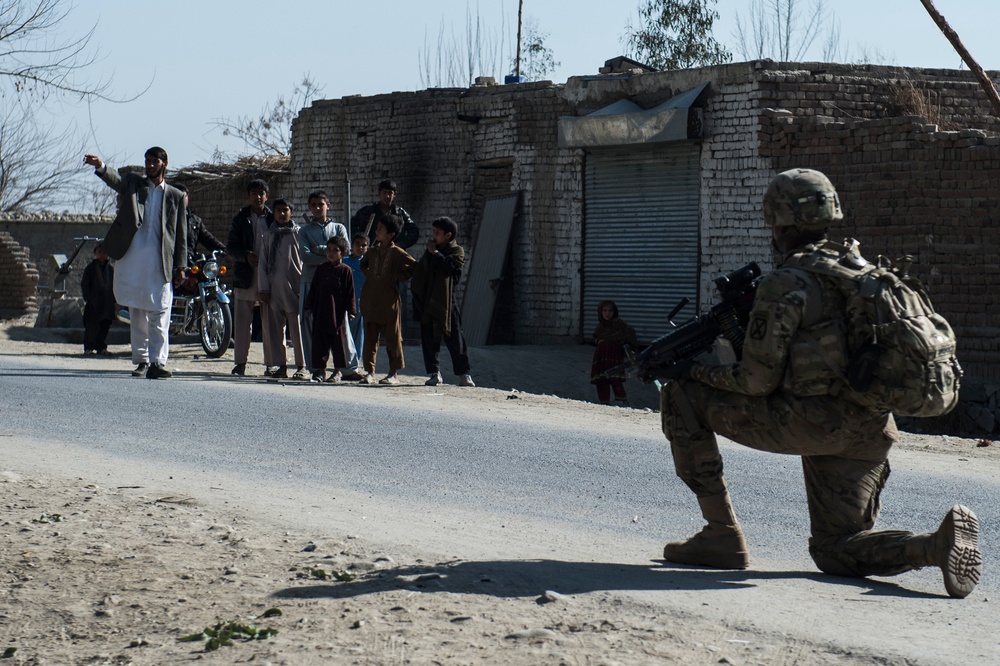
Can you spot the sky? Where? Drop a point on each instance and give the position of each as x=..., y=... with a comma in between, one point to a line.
x=207, y=60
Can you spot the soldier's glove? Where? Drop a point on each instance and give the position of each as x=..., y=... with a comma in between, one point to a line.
x=678, y=370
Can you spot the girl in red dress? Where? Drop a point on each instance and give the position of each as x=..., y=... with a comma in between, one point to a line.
x=610, y=336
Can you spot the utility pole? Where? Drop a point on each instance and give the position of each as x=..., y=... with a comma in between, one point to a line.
x=517, y=62
x=977, y=71
x=347, y=201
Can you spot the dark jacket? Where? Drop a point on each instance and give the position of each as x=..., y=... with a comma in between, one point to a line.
x=97, y=287
x=241, y=243
x=197, y=233
x=434, y=280
x=331, y=296
x=407, y=236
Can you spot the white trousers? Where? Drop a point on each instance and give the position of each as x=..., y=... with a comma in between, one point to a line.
x=150, y=331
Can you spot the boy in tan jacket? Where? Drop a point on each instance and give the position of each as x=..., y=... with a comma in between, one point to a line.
x=385, y=266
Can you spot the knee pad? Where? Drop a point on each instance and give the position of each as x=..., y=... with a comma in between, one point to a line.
x=830, y=560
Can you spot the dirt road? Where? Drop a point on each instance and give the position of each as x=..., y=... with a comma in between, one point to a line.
x=98, y=569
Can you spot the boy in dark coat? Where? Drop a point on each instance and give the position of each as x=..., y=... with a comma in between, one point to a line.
x=99, y=294
x=331, y=302
x=433, y=287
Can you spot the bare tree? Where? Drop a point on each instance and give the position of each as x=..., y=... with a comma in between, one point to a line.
x=36, y=59
x=442, y=66
x=675, y=34
x=781, y=29
x=455, y=61
x=43, y=59
x=270, y=133
x=32, y=164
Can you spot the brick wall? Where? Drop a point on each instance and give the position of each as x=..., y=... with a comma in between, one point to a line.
x=46, y=234
x=216, y=197
x=19, y=278
x=450, y=148
x=909, y=188
x=949, y=98
x=915, y=156
x=447, y=150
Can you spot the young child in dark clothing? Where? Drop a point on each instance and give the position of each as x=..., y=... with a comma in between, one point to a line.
x=433, y=286
x=331, y=302
x=99, y=294
x=610, y=336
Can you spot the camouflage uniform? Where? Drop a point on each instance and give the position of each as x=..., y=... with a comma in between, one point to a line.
x=786, y=396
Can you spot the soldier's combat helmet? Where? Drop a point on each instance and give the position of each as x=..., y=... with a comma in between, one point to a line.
x=803, y=198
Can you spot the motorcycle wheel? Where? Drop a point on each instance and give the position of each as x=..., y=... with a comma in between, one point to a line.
x=216, y=328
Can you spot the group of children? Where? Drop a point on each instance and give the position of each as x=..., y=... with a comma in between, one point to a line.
x=353, y=302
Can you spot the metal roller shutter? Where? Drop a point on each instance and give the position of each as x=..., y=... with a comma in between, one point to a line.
x=640, y=234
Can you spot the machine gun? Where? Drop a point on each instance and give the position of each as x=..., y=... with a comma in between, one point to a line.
x=728, y=318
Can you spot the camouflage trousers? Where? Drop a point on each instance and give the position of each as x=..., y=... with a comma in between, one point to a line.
x=844, y=451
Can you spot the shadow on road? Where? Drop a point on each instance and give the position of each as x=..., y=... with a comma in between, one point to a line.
x=526, y=578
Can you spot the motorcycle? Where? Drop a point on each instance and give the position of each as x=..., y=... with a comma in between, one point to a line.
x=201, y=307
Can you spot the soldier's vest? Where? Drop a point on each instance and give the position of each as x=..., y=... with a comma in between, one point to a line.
x=901, y=353
x=817, y=353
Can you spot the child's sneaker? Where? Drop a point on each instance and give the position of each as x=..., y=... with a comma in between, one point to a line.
x=319, y=376
x=301, y=374
x=466, y=380
x=367, y=379
x=434, y=380
x=389, y=379
x=334, y=378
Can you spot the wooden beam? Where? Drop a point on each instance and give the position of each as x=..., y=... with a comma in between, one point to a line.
x=977, y=71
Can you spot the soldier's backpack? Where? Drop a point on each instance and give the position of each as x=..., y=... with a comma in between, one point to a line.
x=902, y=352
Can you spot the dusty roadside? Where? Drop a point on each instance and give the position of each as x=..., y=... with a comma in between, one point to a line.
x=97, y=574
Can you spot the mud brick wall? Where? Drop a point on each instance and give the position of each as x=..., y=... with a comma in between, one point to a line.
x=19, y=278
x=46, y=234
x=908, y=188
x=448, y=150
x=915, y=156
x=216, y=198
x=733, y=173
x=951, y=99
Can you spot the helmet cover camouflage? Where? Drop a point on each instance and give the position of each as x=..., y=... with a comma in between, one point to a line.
x=801, y=197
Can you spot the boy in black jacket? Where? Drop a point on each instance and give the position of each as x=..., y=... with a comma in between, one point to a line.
x=433, y=286
x=246, y=239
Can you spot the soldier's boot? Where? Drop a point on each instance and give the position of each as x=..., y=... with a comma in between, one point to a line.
x=954, y=547
x=719, y=545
